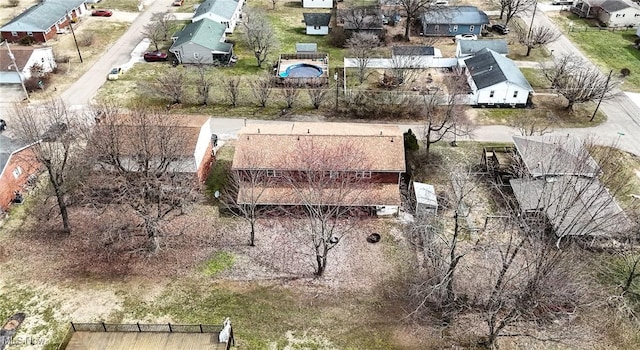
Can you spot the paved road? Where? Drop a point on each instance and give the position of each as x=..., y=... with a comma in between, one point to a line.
x=623, y=115
x=84, y=89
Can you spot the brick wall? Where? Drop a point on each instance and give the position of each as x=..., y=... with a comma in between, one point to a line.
x=16, y=174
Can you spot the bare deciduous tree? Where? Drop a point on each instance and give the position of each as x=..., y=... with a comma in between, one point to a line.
x=169, y=85
x=231, y=87
x=259, y=35
x=358, y=18
x=56, y=134
x=537, y=37
x=512, y=8
x=328, y=189
x=443, y=112
x=362, y=46
x=578, y=81
x=158, y=28
x=203, y=83
x=412, y=10
x=290, y=92
x=144, y=165
x=317, y=94
x=262, y=88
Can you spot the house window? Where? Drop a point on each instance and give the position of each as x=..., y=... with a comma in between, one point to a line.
x=436, y=28
x=492, y=93
x=455, y=27
x=636, y=15
x=30, y=33
x=334, y=174
x=274, y=173
x=316, y=27
x=14, y=33
x=16, y=172
x=196, y=55
x=471, y=28
x=363, y=174
x=515, y=94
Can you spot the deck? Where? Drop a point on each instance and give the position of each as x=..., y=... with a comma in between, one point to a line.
x=144, y=341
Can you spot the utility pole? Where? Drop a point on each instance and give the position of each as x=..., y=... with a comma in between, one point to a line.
x=533, y=16
x=335, y=77
x=15, y=66
x=74, y=37
x=606, y=87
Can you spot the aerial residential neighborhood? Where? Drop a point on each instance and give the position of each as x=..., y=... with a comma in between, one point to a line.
x=315, y=174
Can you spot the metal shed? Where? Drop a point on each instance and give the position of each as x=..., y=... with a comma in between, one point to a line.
x=426, y=199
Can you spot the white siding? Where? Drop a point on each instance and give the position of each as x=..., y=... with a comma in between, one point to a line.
x=229, y=22
x=317, y=4
x=503, y=93
x=191, y=53
x=323, y=30
x=625, y=17
x=204, y=139
x=42, y=56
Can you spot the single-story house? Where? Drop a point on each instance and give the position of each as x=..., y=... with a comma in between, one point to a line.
x=332, y=153
x=414, y=56
x=453, y=20
x=18, y=164
x=496, y=81
x=317, y=4
x=466, y=48
x=612, y=13
x=202, y=42
x=317, y=23
x=551, y=155
x=361, y=19
x=225, y=12
x=42, y=21
x=194, y=154
x=26, y=58
x=619, y=13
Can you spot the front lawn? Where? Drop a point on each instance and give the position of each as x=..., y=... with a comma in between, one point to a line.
x=610, y=50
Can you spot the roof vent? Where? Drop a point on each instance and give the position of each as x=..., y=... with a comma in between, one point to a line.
x=258, y=130
x=308, y=131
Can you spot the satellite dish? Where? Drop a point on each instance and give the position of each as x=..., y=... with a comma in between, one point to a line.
x=216, y=194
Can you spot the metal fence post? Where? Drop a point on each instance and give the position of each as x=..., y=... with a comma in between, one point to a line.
x=73, y=327
x=104, y=327
x=138, y=324
x=170, y=330
x=201, y=328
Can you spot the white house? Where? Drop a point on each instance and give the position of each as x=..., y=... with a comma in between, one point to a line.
x=226, y=12
x=27, y=59
x=466, y=48
x=496, y=81
x=619, y=13
x=317, y=4
x=317, y=23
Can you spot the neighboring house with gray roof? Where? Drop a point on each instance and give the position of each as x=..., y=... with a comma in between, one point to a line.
x=225, y=12
x=317, y=23
x=612, y=13
x=453, y=20
x=413, y=56
x=550, y=155
x=202, y=42
x=43, y=21
x=466, y=48
x=496, y=81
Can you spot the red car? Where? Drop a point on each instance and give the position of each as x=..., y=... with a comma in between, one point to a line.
x=102, y=13
x=154, y=56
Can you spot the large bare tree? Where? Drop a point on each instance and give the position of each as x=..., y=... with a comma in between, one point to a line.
x=412, y=10
x=578, y=81
x=259, y=35
x=169, y=85
x=328, y=189
x=262, y=88
x=512, y=8
x=537, y=37
x=145, y=165
x=362, y=46
x=56, y=134
x=157, y=30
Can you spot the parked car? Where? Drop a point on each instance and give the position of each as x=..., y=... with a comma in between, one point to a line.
x=466, y=37
x=154, y=56
x=500, y=28
x=115, y=73
x=178, y=2
x=102, y=13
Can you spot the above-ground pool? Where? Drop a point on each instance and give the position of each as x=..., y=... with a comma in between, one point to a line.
x=301, y=70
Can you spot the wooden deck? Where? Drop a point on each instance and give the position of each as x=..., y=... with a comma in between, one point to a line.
x=144, y=341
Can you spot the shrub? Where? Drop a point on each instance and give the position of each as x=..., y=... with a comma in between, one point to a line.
x=337, y=38
x=27, y=40
x=410, y=141
x=625, y=72
x=86, y=39
x=14, y=3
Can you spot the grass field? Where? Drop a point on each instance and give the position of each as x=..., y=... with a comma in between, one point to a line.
x=610, y=50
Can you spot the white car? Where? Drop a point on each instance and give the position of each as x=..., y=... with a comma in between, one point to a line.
x=466, y=37
x=114, y=74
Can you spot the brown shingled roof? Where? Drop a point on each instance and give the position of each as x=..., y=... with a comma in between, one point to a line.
x=381, y=145
x=21, y=54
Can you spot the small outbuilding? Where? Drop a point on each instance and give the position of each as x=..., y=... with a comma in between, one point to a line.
x=426, y=199
x=317, y=23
